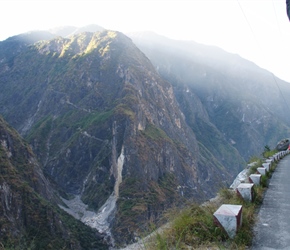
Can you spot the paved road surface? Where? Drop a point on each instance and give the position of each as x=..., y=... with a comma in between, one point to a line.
x=272, y=230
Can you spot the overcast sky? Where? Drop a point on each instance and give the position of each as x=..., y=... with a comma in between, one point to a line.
x=257, y=30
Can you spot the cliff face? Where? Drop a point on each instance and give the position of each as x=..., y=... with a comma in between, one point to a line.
x=28, y=212
x=231, y=104
x=107, y=128
x=120, y=139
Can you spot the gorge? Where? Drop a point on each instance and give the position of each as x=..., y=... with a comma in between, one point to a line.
x=125, y=128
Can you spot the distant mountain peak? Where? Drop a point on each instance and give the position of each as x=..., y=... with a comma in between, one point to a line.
x=66, y=31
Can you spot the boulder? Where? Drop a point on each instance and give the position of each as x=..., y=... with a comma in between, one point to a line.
x=283, y=145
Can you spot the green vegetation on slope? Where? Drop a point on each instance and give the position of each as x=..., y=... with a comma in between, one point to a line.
x=155, y=133
x=29, y=217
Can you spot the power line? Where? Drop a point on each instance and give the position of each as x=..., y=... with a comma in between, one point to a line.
x=280, y=90
x=279, y=28
x=248, y=23
x=274, y=78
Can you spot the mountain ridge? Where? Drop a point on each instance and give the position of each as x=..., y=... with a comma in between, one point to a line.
x=129, y=131
x=30, y=217
x=92, y=96
x=218, y=82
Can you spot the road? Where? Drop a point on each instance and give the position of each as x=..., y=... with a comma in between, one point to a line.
x=272, y=229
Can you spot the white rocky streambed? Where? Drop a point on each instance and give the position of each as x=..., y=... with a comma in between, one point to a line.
x=99, y=220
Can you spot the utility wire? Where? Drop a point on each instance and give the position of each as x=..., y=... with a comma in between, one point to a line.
x=272, y=73
x=250, y=26
x=274, y=78
x=276, y=17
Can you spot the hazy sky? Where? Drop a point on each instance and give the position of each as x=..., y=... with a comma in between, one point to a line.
x=257, y=30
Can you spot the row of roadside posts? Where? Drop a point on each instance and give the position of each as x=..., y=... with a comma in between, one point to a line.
x=229, y=216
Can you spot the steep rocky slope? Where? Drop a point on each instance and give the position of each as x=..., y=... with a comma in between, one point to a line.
x=222, y=95
x=29, y=217
x=108, y=130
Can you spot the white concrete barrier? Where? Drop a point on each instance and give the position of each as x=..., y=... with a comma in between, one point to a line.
x=276, y=157
x=267, y=166
x=255, y=178
x=270, y=161
x=229, y=217
x=246, y=191
x=262, y=171
x=251, y=164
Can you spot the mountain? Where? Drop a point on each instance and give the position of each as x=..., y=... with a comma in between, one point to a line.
x=125, y=128
x=66, y=31
x=30, y=218
x=108, y=131
x=13, y=46
x=221, y=95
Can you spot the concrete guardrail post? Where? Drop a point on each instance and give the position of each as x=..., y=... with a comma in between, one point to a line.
x=267, y=166
x=262, y=171
x=270, y=160
x=246, y=191
x=255, y=178
x=229, y=217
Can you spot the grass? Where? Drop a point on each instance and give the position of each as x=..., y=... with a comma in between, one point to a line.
x=155, y=133
x=193, y=227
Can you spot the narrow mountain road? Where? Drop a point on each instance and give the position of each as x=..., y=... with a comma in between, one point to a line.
x=272, y=229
